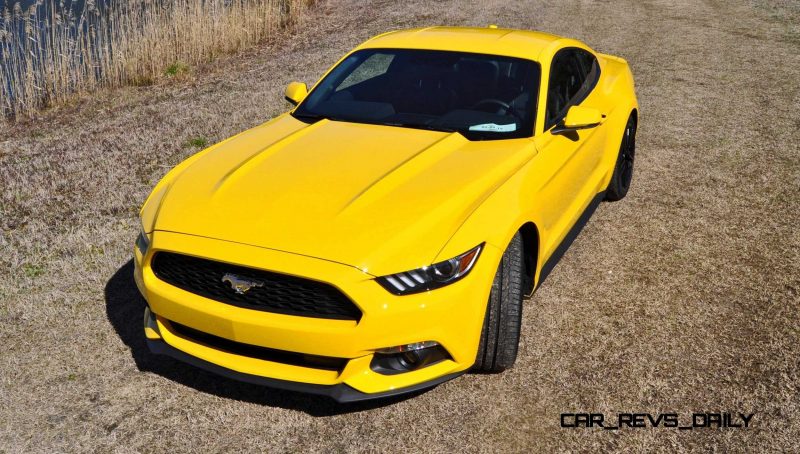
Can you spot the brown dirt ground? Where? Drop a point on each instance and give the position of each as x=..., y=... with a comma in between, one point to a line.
x=683, y=298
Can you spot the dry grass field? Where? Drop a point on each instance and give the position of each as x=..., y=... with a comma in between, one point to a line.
x=49, y=52
x=685, y=297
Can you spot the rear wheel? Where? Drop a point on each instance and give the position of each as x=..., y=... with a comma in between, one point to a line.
x=501, y=325
x=623, y=171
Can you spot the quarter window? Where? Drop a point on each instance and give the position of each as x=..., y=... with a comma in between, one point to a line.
x=573, y=75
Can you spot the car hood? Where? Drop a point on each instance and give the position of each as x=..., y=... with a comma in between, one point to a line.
x=380, y=198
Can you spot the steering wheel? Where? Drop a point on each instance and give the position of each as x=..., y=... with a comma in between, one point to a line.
x=507, y=109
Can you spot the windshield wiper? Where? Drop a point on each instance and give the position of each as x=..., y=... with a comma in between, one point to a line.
x=311, y=117
x=417, y=126
x=315, y=117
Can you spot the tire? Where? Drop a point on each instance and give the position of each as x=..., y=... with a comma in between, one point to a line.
x=623, y=169
x=501, y=325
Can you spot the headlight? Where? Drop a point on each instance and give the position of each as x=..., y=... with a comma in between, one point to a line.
x=142, y=242
x=431, y=277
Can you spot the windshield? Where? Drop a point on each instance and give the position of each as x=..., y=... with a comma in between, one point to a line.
x=483, y=97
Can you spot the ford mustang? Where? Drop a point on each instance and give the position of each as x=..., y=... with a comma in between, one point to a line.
x=380, y=237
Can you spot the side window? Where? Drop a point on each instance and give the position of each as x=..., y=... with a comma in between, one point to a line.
x=573, y=75
x=589, y=65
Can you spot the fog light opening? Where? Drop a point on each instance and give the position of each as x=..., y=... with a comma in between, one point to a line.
x=407, y=358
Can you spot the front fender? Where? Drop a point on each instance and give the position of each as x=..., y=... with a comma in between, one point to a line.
x=499, y=217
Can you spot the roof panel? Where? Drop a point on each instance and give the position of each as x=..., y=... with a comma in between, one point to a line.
x=500, y=41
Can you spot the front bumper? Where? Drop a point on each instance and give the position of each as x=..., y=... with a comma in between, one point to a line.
x=342, y=392
x=451, y=316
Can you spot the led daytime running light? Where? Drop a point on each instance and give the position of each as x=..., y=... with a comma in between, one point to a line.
x=433, y=276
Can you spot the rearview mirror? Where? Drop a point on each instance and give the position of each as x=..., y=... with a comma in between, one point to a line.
x=295, y=92
x=579, y=117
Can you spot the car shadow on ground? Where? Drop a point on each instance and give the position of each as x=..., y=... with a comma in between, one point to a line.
x=125, y=308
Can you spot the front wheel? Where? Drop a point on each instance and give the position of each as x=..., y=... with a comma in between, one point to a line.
x=623, y=171
x=501, y=325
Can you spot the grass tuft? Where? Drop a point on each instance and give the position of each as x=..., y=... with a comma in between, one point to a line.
x=197, y=142
x=33, y=270
x=176, y=69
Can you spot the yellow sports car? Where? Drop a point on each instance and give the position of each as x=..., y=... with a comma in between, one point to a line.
x=379, y=238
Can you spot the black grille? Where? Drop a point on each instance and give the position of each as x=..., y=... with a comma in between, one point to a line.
x=278, y=293
x=254, y=351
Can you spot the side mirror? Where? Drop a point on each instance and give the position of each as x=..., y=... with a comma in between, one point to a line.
x=579, y=117
x=295, y=92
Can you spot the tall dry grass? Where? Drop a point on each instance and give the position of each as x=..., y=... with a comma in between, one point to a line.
x=48, y=53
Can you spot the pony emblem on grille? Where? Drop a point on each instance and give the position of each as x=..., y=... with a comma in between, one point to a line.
x=239, y=284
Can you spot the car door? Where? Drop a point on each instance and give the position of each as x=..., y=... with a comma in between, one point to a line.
x=572, y=158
